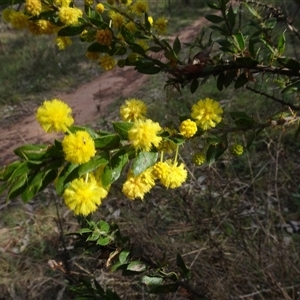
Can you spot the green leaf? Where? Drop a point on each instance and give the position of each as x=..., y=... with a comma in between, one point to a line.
x=89, y=130
x=17, y=187
x=194, y=85
x=7, y=171
x=103, y=241
x=214, y=19
x=184, y=270
x=268, y=46
x=155, y=49
x=150, y=69
x=241, y=81
x=22, y=169
x=213, y=5
x=240, y=118
x=123, y=256
x=177, y=45
x=113, y=170
x=295, y=86
x=147, y=23
x=163, y=289
x=84, y=230
x=215, y=150
x=69, y=173
x=137, y=266
x=127, y=35
x=220, y=81
x=270, y=23
x=33, y=186
x=31, y=152
x=94, y=236
x=251, y=48
x=143, y=161
x=231, y=17
x=289, y=63
x=107, y=141
x=94, y=163
x=137, y=48
x=152, y=280
x=240, y=41
x=104, y=226
x=246, y=62
x=122, y=128
x=71, y=30
x=96, y=47
x=281, y=43
x=229, y=77
x=252, y=11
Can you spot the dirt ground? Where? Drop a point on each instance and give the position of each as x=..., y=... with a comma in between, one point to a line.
x=88, y=102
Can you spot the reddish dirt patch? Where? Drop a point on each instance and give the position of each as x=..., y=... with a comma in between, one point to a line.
x=88, y=102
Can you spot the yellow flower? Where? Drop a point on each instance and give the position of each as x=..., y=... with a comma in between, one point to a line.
x=143, y=44
x=69, y=15
x=89, y=2
x=140, y=7
x=132, y=110
x=199, y=159
x=107, y=62
x=188, y=128
x=63, y=42
x=92, y=55
x=100, y=8
x=33, y=7
x=169, y=174
x=168, y=145
x=161, y=25
x=54, y=115
x=207, y=113
x=132, y=57
x=62, y=3
x=143, y=134
x=117, y=19
x=104, y=37
x=150, y=20
x=79, y=147
x=127, y=2
x=84, y=196
x=137, y=187
x=7, y=13
x=18, y=20
x=131, y=27
x=41, y=27
x=237, y=150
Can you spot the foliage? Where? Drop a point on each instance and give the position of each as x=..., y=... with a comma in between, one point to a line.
x=252, y=45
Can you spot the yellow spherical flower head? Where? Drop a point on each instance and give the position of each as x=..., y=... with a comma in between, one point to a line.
x=137, y=187
x=79, y=147
x=207, y=113
x=54, y=116
x=63, y=42
x=171, y=174
x=41, y=27
x=18, y=20
x=143, y=135
x=107, y=62
x=150, y=20
x=33, y=7
x=132, y=110
x=69, y=15
x=89, y=2
x=199, y=159
x=100, y=8
x=188, y=128
x=7, y=13
x=140, y=7
x=117, y=19
x=237, y=150
x=160, y=25
x=84, y=196
x=131, y=26
x=104, y=37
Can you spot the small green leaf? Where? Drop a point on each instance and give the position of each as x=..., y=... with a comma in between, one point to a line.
x=240, y=118
x=103, y=241
x=31, y=152
x=281, y=43
x=240, y=41
x=213, y=5
x=184, y=270
x=215, y=150
x=17, y=187
x=122, y=128
x=268, y=46
x=194, y=85
x=33, y=186
x=152, y=280
x=270, y=23
x=229, y=77
x=123, y=256
x=143, y=161
x=84, y=230
x=295, y=86
x=231, y=17
x=7, y=171
x=177, y=45
x=137, y=266
x=214, y=19
x=94, y=236
x=252, y=11
x=241, y=81
x=94, y=163
x=137, y=48
x=96, y=47
x=68, y=173
x=71, y=30
x=127, y=35
x=107, y=141
x=104, y=226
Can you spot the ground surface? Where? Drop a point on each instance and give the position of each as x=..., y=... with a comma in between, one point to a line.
x=88, y=102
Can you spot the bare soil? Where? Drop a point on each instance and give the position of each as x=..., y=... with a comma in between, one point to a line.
x=88, y=102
